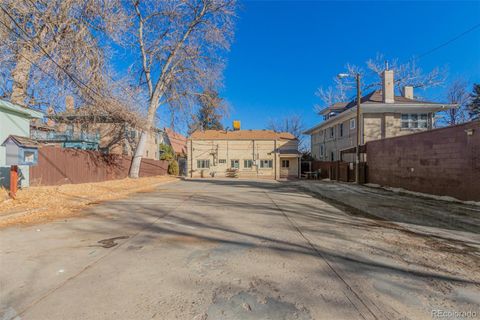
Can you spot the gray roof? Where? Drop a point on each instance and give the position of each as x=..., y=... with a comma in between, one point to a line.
x=289, y=151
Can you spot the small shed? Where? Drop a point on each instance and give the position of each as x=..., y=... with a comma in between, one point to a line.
x=21, y=151
x=14, y=120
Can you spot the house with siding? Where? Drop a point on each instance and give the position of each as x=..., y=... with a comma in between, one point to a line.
x=243, y=153
x=382, y=115
x=14, y=120
x=87, y=129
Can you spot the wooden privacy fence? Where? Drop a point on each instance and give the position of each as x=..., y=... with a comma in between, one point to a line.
x=339, y=170
x=58, y=166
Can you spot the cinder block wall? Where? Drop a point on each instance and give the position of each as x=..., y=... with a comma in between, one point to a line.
x=443, y=161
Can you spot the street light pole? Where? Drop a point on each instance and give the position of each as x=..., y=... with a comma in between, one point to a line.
x=357, y=151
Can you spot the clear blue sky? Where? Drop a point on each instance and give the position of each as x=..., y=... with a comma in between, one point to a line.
x=284, y=50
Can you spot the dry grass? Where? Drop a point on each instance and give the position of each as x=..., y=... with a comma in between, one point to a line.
x=47, y=203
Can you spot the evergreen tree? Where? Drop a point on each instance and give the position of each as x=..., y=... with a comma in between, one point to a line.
x=210, y=114
x=474, y=105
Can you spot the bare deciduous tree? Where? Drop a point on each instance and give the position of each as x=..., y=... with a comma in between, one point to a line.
x=51, y=47
x=292, y=124
x=406, y=74
x=180, y=46
x=457, y=93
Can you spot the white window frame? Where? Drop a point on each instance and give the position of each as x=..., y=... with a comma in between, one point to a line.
x=322, y=150
x=414, y=121
x=286, y=163
x=235, y=164
x=332, y=132
x=247, y=163
x=352, y=123
x=269, y=163
x=340, y=129
x=222, y=161
x=203, y=163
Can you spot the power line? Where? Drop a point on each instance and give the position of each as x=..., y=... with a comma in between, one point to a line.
x=73, y=78
x=449, y=41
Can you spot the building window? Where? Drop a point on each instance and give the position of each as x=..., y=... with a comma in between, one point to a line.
x=423, y=121
x=352, y=123
x=414, y=121
x=222, y=161
x=266, y=164
x=203, y=164
x=235, y=164
x=332, y=132
x=285, y=163
x=341, y=129
x=247, y=163
x=321, y=150
x=332, y=156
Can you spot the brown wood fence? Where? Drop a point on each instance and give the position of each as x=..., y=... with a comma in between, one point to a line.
x=58, y=166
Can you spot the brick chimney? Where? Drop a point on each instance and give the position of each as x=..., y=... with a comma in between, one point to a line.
x=388, y=87
x=50, y=112
x=408, y=92
x=69, y=104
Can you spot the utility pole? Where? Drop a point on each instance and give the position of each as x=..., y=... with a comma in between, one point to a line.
x=357, y=151
x=357, y=124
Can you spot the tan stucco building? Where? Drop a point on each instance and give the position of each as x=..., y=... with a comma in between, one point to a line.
x=243, y=154
x=382, y=115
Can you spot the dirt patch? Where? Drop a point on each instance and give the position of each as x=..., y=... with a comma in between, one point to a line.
x=47, y=203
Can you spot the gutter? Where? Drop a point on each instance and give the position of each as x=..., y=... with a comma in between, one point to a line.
x=372, y=108
x=23, y=111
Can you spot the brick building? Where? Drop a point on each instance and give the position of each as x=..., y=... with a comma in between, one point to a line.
x=382, y=115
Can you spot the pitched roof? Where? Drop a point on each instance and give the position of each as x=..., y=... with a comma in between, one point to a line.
x=20, y=109
x=23, y=141
x=377, y=97
x=177, y=141
x=334, y=107
x=241, y=135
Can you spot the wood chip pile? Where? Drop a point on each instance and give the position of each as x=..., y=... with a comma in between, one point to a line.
x=47, y=203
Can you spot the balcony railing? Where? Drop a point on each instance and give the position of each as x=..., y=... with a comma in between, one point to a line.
x=66, y=136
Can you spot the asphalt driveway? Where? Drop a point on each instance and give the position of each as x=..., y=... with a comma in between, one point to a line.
x=231, y=249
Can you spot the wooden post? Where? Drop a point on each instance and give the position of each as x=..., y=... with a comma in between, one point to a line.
x=13, y=181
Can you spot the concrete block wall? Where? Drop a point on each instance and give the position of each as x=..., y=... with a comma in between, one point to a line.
x=443, y=161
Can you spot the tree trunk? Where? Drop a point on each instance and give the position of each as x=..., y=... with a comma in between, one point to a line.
x=140, y=150
x=21, y=75
x=137, y=158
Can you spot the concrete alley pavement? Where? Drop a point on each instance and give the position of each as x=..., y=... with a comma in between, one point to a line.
x=234, y=249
